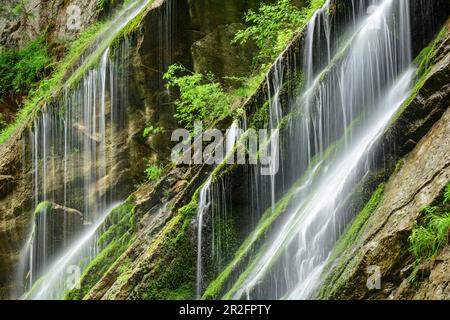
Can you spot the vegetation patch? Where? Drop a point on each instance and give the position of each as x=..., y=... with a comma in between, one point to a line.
x=43, y=207
x=272, y=26
x=20, y=70
x=174, y=271
x=425, y=62
x=431, y=233
x=202, y=98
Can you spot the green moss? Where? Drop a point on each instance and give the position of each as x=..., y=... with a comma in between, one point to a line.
x=399, y=166
x=426, y=57
x=335, y=278
x=43, y=207
x=425, y=62
x=42, y=93
x=215, y=289
x=174, y=271
x=190, y=209
x=20, y=70
x=121, y=227
x=34, y=289
x=131, y=27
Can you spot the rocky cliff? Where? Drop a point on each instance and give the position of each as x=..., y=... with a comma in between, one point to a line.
x=381, y=238
x=149, y=243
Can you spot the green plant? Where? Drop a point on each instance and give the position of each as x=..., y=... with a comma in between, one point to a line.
x=152, y=131
x=18, y=9
x=274, y=25
x=446, y=194
x=430, y=234
x=20, y=70
x=427, y=240
x=153, y=173
x=201, y=97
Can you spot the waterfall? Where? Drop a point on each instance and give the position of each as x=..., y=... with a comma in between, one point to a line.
x=212, y=200
x=353, y=83
x=204, y=203
x=74, y=156
x=75, y=153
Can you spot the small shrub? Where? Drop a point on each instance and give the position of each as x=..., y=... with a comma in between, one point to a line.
x=151, y=131
x=153, y=173
x=20, y=70
x=201, y=97
x=432, y=234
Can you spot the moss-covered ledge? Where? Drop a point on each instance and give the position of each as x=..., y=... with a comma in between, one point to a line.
x=119, y=232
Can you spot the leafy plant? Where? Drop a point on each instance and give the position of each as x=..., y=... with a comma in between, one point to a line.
x=273, y=26
x=446, y=194
x=153, y=173
x=432, y=234
x=426, y=240
x=20, y=70
x=201, y=97
x=152, y=131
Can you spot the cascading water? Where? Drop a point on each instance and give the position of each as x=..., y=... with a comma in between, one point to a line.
x=82, y=162
x=349, y=95
x=209, y=203
x=75, y=146
x=204, y=203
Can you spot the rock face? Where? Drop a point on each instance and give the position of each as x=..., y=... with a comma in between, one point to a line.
x=215, y=53
x=383, y=242
x=22, y=20
x=15, y=211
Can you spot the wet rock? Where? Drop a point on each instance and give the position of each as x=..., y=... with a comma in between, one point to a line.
x=61, y=225
x=6, y=183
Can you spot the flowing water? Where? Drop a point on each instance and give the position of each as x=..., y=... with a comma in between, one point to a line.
x=204, y=202
x=209, y=203
x=354, y=80
x=75, y=148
